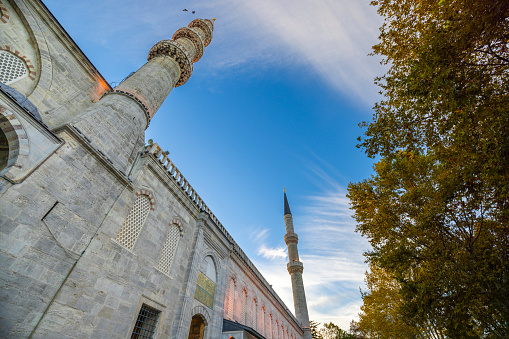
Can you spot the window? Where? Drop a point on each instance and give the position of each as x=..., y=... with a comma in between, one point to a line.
x=134, y=223
x=231, y=298
x=170, y=246
x=12, y=68
x=146, y=324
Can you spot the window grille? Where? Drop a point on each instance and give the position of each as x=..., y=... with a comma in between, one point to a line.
x=253, y=314
x=134, y=223
x=146, y=323
x=12, y=68
x=170, y=246
x=243, y=315
x=231, y=297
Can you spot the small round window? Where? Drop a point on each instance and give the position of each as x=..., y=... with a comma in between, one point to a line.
x=12, y=68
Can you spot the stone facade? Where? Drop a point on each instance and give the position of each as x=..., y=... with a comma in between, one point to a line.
x=101, y=235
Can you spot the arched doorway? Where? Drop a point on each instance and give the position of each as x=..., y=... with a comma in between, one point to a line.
x=197, y=329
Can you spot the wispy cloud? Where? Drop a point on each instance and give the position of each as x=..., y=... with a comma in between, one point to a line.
x=332, y=257
x=272, y=253
x=259, y=234
x=331, y=38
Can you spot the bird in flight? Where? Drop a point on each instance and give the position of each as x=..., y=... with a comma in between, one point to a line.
x=185, y=10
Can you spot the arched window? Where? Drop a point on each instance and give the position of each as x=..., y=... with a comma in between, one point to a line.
x=261, y=320
x=253, y=314
x=269, y=326
x=12, y=68
x=169, y=249
x=231, y=299
x=134, y=223
x=243, y=315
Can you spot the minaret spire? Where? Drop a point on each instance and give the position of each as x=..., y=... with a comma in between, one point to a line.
x=295, y=268
x=131, y=105
x=170, y=64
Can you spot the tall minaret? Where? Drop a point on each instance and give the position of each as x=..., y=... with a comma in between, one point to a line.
x=115, y=125
x=295, y=269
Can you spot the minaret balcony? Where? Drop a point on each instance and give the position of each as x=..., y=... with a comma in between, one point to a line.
x=295, y=266
x=291, y=238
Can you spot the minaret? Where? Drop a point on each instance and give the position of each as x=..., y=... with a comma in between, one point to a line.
x=295, y=269
x=115, y=125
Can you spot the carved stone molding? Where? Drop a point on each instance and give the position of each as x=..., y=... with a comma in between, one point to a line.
x=191, y=34
x=291, y=238
x=178, y=53
x=201, y=24
x=295, y=266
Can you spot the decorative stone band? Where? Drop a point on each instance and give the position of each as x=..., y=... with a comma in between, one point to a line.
x=291, y=238
x=295, y=266
x=178, y=53
x=206, y=28
x=191, y=34
x=150, y=197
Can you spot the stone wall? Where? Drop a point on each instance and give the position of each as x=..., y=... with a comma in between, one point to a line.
x=62, y=82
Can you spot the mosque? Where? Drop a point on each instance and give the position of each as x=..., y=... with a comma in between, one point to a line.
x=101, y=235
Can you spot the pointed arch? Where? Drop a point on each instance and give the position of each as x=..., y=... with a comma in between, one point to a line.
x=150, y=197
x=170, y=246
x=230, y=298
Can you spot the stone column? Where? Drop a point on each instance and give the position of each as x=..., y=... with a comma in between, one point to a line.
x=295, y=268
x=116, y=124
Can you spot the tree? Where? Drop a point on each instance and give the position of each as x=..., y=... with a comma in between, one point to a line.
x=356, y=331
x=315, y=332
x=436, y=208
x=380, y=316
x=333, y=331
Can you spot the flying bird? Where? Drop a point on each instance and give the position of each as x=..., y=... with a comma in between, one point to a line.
x=184, y=10
x=193, y=12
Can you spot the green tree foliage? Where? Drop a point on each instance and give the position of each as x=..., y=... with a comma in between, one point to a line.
x=436, y=210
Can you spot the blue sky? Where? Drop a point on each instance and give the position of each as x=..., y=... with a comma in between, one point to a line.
x=274, y=102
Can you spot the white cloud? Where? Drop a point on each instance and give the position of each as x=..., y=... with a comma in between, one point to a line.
x=272, y=253
x=331, y=38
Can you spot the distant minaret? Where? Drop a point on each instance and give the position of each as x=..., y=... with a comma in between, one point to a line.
x=295, y=269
